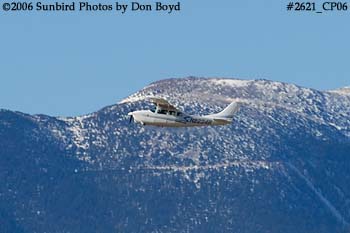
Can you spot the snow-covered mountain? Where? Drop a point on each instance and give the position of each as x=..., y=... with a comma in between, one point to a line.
x=282, y=166
x=342, y=91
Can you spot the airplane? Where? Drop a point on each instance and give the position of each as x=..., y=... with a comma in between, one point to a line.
x=166, y=115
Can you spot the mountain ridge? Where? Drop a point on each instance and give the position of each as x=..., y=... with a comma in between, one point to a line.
x=283, y=162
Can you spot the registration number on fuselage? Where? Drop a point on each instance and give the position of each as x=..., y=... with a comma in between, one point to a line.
x=189, y=119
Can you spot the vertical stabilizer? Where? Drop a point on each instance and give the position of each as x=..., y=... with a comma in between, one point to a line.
x=229, y=111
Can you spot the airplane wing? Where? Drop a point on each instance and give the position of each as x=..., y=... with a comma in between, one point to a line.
x=164, y=104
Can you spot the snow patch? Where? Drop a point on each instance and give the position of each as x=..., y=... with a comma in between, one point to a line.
x=231, y=82
x=249, y=166
x=131, y=99
x=341, y=91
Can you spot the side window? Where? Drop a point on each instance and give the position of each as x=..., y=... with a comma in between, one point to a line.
x=172, y=113
x=179, y=114
x=162, y=111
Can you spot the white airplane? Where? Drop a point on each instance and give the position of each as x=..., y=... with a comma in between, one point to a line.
x=166, y=115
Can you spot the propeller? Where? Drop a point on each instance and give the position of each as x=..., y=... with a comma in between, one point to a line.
x=131, y=118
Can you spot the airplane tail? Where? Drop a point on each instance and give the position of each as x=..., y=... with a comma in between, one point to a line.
x=229, y=111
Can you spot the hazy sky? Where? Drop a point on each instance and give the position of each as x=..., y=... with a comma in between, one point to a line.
x=76, y=63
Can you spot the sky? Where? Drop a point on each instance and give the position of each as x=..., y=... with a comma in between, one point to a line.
x=73, y=63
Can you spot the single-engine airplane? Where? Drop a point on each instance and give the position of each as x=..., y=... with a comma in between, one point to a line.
x=166, y=115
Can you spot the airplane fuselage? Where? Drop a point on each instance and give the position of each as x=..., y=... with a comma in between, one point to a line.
x=147, y=117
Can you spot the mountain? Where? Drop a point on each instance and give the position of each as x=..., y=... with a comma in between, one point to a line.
x=283, y=165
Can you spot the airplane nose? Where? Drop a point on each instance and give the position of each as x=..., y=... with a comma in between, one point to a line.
x=135, y=116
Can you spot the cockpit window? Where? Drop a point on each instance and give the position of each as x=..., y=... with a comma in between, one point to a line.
x=162, y=111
